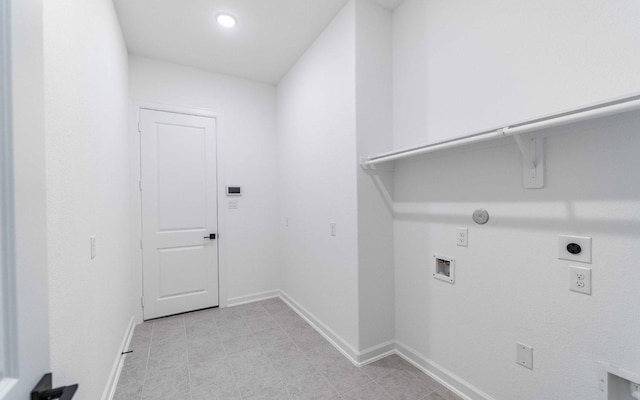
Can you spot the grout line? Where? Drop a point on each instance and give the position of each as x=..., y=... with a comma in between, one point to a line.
x=302, y=351
x=268, y=358
x=186, y=345
x=146, y=364
x=235, y=382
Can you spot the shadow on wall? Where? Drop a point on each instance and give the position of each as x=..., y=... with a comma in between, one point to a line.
x=591, y=178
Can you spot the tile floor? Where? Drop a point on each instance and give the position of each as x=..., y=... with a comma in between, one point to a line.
x=262, y=350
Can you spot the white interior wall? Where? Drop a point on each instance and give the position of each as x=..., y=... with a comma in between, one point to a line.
x=87, y=191
x=316, y=151
x=30, y=283
x=375, y=217
x=247, y=136
x=460, y=68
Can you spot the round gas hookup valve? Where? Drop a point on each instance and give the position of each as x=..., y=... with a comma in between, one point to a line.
x=480, y=216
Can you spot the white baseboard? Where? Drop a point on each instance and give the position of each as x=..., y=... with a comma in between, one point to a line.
x=375, y=353
x=339, y=343
x=250, y=298
x=447, y=378
x=112, y=382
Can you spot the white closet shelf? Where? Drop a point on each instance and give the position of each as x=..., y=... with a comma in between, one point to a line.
x=529, y=145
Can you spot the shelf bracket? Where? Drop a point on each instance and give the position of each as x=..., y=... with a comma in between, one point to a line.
x=532, y=151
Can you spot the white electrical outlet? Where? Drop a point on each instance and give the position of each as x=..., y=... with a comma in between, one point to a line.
x=580, y=280
x=92, y=246
x=524, y=355
x=232, y=204
x=462, y=235
x=332, y=228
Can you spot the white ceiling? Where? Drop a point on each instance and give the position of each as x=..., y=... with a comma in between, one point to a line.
x=268, y=39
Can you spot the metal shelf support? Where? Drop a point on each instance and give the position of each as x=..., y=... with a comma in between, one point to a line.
x=532, y=150
x=529, y=144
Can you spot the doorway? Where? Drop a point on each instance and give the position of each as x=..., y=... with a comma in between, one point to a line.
x=179, y=212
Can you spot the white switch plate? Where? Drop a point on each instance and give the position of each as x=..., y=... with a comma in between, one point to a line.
x=233, y=204
x=462, y=237
x=585, y=244
x=332, y=227
x=524, y=355
x=92, y=246
x=580, y=280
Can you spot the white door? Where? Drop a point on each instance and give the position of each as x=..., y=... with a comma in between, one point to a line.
x=179, y=212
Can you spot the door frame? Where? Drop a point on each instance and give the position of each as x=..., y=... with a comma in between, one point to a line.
x=136, y=197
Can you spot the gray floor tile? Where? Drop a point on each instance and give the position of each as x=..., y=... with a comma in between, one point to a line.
x=246, y=372
x=166, y=382
x=215, y=372
x=276, y=309
x=128, y=392
x=430, y=382
x=346, y=377
x=233, y=329
x=202, y=315
x=263, y=351
x=239, y=343
x=141, y=335
x=199, y=328
x=281, y=349
x=368, y=391
x=138, y=356
x=249, y=307
x=224, y=391
x=132, y=375
x=169, y=334
x=325, y=356
x=224, y=316
x=294, y=368
x=253, y=313
x=402, y=385
x=444, y=395
x=261, y=323
x=290, y=323
x=286, y=317
x=239, y=361
x=270, y=335
x=312, y=387
x=308, y=340
x=385, y=366
x=262, y=386
x=202, y=342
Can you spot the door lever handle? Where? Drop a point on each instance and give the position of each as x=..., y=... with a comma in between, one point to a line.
x=212, y=236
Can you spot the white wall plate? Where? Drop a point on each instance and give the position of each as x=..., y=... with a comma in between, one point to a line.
x=564, y=248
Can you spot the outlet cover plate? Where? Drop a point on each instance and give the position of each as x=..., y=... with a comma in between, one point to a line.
x=462, y=237
x=524, y=355
x=583, y=241
x=580, y=280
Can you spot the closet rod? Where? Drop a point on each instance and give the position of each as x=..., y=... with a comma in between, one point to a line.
x=596, y=111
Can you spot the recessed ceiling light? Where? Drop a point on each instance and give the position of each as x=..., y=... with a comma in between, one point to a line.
x=226, y=20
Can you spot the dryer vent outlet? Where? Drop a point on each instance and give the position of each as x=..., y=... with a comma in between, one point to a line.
x=444, y=268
